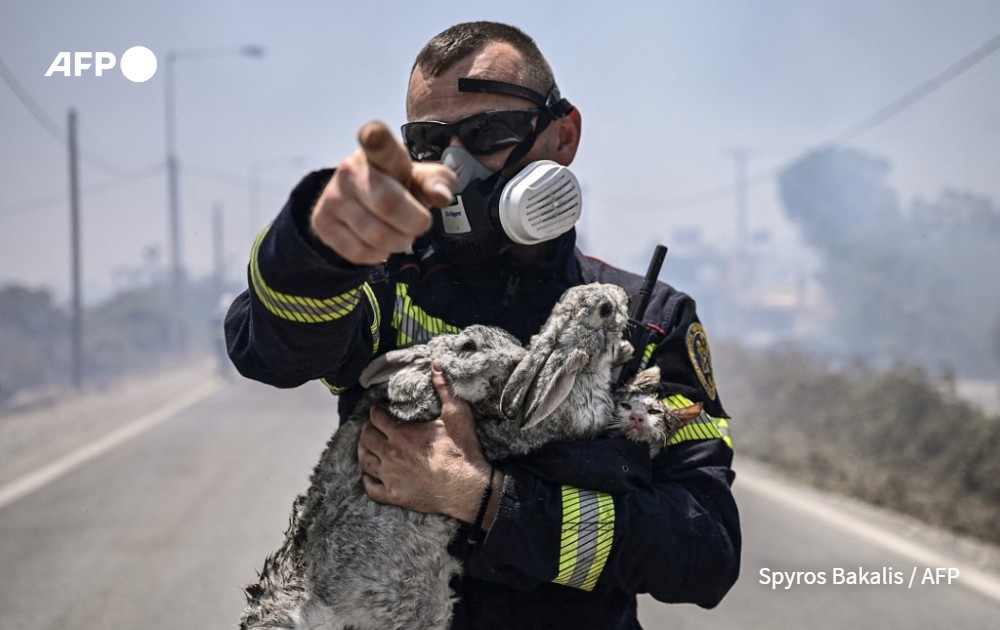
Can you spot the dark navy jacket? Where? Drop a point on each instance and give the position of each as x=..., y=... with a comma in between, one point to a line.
x=582, y=527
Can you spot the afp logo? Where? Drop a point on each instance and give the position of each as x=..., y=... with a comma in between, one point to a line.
x=138, y=64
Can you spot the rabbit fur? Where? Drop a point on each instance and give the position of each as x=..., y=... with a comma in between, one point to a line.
x=348, y=562
x=641, y=415
x=561, y=390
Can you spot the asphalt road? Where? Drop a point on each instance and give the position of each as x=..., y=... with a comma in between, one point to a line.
x=161, y=528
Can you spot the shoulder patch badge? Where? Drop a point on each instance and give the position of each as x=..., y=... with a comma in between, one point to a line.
x=701, y=358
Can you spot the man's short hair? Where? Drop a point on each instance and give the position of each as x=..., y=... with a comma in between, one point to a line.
x=461, y=40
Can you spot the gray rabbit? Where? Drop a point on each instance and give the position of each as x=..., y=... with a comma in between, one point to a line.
x=561, y=390
x=350, y=562
x=344, y=555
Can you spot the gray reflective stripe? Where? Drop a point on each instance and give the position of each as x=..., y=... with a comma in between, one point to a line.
x=376, y=316
x=586, y=547
x=299, y=308
x=410, y=331
x=412, y=323
x=587, y=534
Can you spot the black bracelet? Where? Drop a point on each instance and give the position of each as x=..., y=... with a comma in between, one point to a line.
x=476, y=533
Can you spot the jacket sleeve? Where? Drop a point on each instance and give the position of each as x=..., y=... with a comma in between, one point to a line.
x=672, y=531
x=307, y=313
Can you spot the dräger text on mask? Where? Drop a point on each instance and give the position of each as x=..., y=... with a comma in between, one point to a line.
x=859, y=576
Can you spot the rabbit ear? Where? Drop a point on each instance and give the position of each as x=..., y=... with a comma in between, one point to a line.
x=540, y=384
x=520, y=382
x=546, y=397
x=381, y=369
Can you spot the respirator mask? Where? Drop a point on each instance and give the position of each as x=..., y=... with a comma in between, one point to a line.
x=491, y=212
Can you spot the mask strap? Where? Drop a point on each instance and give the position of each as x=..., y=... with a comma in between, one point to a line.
x=553, y=106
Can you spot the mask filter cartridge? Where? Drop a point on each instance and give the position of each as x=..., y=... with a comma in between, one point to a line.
x=490, y=214
x=540, y=203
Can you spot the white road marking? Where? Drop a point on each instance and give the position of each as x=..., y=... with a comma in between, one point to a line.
x=33, y=481
x=788, y=495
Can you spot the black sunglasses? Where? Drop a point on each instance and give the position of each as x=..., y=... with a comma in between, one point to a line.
x=480, y=133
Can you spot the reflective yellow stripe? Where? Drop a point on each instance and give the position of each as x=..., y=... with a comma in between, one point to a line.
x=678, y=401
x=646, y=355
x=588, y=529
x=723, y=426
x=412, y=323
x=376, y=325
x=706, y=427
x=298, y=308
x=570, y=534
x=376, y=316
x=333, y=388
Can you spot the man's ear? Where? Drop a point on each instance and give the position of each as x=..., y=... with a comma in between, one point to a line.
x=568, y=129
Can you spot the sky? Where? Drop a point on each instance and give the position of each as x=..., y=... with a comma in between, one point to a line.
x=668, y=91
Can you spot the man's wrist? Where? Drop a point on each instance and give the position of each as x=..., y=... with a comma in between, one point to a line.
x=493, y=505
x=476, y=531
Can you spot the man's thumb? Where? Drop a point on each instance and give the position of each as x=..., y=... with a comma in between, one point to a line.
x=441, y=386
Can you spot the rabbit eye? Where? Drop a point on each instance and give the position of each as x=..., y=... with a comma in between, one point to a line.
x=606, y=309
x=468, y=346
x=625, y=405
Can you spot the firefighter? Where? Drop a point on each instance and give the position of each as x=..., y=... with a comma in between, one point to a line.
x=405, y=240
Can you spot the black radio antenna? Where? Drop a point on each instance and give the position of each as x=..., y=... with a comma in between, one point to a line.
x=642, y=300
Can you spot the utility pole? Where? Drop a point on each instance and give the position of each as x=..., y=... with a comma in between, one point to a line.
x=177, y=284
x=742, y=218
x=178, y=334
x=739, y=273
x=76, y=351
x=218, y=253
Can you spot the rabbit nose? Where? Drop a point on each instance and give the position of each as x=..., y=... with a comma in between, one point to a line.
x=636, y=418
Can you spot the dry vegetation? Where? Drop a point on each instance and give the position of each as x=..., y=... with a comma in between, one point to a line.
x=894, y=437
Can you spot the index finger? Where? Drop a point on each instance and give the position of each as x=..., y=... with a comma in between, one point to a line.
x=384, y=152
x=380, y=423
x=429, y=183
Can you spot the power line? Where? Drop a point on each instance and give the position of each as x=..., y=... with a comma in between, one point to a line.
x=919, y=93
x=50, y=125
x=44, y=201
x=229, y=178
x=30, y=104
x=219, y=176
x=854, y=131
